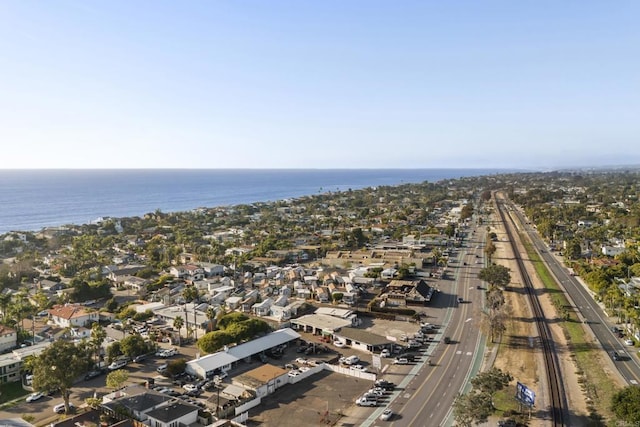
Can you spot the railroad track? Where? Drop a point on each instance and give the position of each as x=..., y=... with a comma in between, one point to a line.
x=554, y=380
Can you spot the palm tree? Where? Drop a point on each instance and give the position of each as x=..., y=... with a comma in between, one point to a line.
x=211, y=315
x=98, y=335
x=178, y=323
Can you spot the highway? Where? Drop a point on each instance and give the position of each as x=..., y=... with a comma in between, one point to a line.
x=428, y=393
x=591, y=312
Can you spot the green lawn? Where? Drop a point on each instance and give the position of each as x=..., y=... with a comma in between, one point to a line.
x=11, y=391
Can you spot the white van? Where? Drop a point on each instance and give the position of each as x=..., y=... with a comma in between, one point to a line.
x=351, y=360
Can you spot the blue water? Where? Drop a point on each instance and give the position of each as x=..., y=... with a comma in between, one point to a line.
x=33, y=199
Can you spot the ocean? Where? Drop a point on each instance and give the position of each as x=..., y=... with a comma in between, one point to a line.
x=35, y=199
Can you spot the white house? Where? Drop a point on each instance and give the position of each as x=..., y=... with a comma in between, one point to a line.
x=175, y=413
x=8, y=338
x=72, y=315
x=262, y=308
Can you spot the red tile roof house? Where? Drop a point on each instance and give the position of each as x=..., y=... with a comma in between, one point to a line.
x=72, y=315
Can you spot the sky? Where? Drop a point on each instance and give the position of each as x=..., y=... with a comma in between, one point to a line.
x=319, y=84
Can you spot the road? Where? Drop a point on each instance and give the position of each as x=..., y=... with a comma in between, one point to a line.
x=427, y=393
x=588, y=308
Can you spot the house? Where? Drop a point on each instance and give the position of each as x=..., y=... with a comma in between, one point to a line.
x=262, y=308
x=221, y=361
x=263, y=380
x=8, y=338
x=189, y=272
x=50, y=286
x=212, y=270
x=72, y=315
x=136, y=400
x=173, y=414
x=9, y=368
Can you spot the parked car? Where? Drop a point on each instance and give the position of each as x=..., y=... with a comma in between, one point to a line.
x=139, y=358
x=117, y=364
x=338, y=344
x=162, y=368
x=384, y=384
x=628, y=342
x=94, y=373
x=59, y=408
x=34, y=396
x=190, y=387
x=385, y=353
x=364, y=401
x=401, y=361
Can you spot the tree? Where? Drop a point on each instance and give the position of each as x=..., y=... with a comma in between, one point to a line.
x=472, y=407
x=489, y=250
x=117, y=378
x=190, y=293
x=114, y=351
x=491, y=381
x=176, y=367
x=625, y=404
x=178, y=323
x=134, y=345
x=98, y=335
x=495, y=275
x=58, y=366
x=211, y=315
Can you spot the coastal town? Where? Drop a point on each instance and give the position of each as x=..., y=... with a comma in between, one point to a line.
x=218, y=315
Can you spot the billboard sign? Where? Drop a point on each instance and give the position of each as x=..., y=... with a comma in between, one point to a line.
x=525, y=395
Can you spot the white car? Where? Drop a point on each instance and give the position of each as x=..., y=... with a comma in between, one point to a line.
x=386, y=415
x=190, y=387
x=358, y=368
x=293, y=373
x=363, y=401
x=628, y=342
x=34, y=396
x=117, y=364
x=385, y=353
x=59, y=408
x=401, y=361
x=301, y=361
x=338, y=344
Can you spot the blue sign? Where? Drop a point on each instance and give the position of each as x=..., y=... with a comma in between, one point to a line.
x=525, y=395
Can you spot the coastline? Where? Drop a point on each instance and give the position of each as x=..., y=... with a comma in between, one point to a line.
x=42, y=198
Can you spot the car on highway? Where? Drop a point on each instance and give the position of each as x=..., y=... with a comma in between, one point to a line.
x=386, y=415
x=615, y=356
x=447, y=340
x=34, y=396
x=460, y=300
